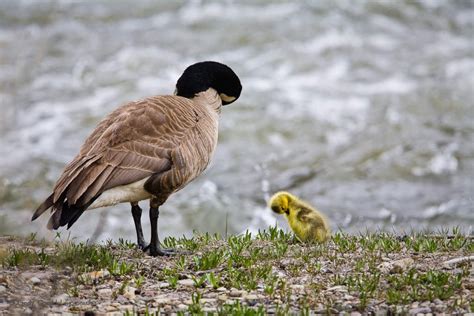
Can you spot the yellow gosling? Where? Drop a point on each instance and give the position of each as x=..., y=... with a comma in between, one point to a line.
x=308, y=224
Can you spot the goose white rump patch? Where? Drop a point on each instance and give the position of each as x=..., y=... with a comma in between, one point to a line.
x=132, y=192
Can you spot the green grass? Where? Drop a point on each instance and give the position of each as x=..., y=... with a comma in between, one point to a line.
x=271, y=263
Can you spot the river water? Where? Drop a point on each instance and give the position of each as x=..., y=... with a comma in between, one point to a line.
x=363, y=108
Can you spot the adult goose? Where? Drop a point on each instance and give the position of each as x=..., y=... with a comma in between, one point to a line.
x=146, y=149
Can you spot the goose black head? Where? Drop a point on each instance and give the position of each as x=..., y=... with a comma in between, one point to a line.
x=209, y=74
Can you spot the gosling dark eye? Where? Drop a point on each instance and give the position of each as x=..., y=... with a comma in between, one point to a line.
x=276, y=208
x=287, y=211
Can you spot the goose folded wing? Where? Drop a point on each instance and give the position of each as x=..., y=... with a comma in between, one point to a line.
x=129, y=145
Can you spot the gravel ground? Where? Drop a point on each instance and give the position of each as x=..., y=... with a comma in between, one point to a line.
x=298, y=288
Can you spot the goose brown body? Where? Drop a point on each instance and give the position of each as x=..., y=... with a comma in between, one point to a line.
x=164, y=141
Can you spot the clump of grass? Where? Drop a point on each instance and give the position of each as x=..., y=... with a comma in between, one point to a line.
x=422, y=286
x=81, y=257
x=240, y=309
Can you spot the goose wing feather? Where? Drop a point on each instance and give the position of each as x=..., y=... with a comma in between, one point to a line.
x=133, y=142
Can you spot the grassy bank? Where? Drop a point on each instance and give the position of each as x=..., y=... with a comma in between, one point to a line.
x=247, y=275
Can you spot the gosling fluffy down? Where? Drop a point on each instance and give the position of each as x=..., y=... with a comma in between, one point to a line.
x=308, y=224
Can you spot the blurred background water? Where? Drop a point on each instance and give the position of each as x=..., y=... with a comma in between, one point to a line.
x=363, y=108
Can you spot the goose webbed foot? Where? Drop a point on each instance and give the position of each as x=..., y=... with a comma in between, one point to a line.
x=158, y=251
x=141, y=245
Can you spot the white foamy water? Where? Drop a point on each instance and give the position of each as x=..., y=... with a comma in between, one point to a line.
x=364, y=109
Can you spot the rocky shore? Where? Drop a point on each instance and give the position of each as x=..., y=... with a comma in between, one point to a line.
x=267, y=273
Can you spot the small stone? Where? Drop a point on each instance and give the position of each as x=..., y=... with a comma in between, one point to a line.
x=221, y=289
x=222, y=297
x=35, y=280
x=355, y=314
x=4, y=305
x=186, y=282
x=127, y=308
x=419, y=310
x=2, y=289
x=104, y=293
x=425, y=304
x=208, y=300
x=60, y=299
x=347, y=297
x=95, y=275
x=162, y=301
x=182, y=307
x=437, y=301
x=236, y=293
x=338, y=288
x=251, y=297
x=130, y=293
x=110, y=308
x=397, y=266
x=164, y=285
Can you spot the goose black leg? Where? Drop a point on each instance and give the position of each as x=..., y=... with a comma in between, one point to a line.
x=137, y=214
x=155, y=246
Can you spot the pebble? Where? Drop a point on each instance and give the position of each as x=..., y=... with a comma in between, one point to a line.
x=251, y=297
x=347, y=297
x=2, y=289
x=338, y=288
x=162, y=301
x=35, y=280
x=419, y=310
x=397, y=266
x=355, y=314
x=127, y=307
x=164, y=285
x=222, y=297
x=130, y=292
x=437, y=301
x=236, y=293
x=182, y=307
x=186, y=282
x=208, y=300
x=60, y=299
x=104, y=293
x=111, y=308
x=4, y=305
x=221, y=289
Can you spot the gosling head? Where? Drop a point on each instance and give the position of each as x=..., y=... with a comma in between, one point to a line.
x=280, y=202
x=209, y=74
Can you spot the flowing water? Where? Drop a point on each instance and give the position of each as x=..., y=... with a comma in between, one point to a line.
x=363, y=108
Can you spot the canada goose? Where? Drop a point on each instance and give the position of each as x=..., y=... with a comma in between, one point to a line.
x=308, y=224
x=146, y=149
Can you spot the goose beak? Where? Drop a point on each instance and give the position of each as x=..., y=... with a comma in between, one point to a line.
x=227, y=99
